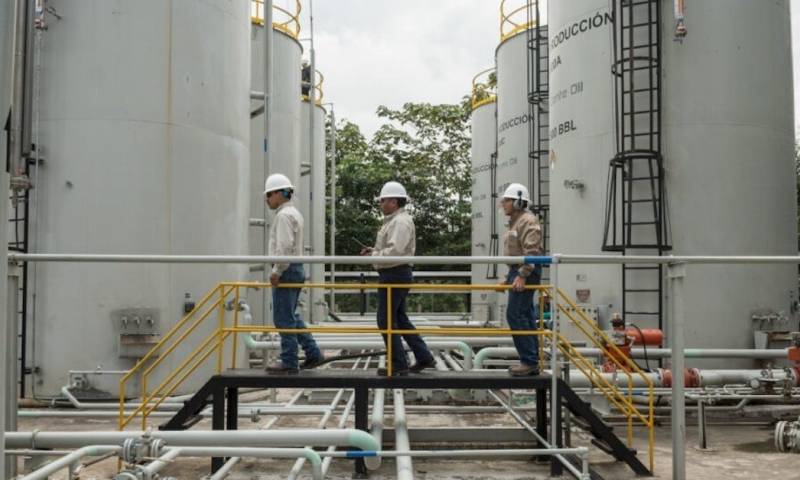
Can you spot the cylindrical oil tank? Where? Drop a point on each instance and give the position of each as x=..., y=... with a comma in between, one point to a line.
x=284, y=138
x=312, y=199
x=727, y=116
x=484, y=206
x=514, y=163
x=581, y=95
x=143, y=132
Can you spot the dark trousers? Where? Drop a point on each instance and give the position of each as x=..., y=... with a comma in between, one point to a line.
x=520, y=315
x=399, y=275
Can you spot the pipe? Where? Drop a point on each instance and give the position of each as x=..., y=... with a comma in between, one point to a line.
x=247, y=259
x=233, y=461
x=266, y=311
x=759, y=354
x=7, y=29
x=198, y=438
x=527, y=426
x=151, y=470
x=67, y=460
x=417, y=260
x=324, y=420
x=226, y=469
x=17, y=164
x=376, y=430
x=405, y=469
x=676, y=274
x=315, y=224
x=342, y=422
x=332, y=227
x=174, y=452
x=324, y=344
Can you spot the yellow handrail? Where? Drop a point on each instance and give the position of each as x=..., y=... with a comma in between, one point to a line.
x=484, y=91
x=318, y=89
x=515, y=19
x=230, y=292
x=287, y=22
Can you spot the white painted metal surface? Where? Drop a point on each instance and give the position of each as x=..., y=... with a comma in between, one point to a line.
x=144, y=133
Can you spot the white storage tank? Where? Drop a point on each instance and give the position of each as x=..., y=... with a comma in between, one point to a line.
x=728, y=137
x=484, y=205
x=312, y=200
x=143, y=128
x=514, y=144
x=285, y=136
x=581, y=102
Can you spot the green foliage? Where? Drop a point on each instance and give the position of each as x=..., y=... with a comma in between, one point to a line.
x=426, y=148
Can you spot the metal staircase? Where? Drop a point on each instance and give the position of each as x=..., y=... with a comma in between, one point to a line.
x=218, y=318
x=636, y=219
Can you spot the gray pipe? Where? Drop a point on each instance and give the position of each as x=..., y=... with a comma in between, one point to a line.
x=298, y=465
x=7, y=30
x=405, y=469
x=248, y=259
x=74, y=457
x=172, y=453
x=655, y=353
x=17, y=96
x=417, y=260
x=466, y=350
x=191, y=438
x=332, y=232
x=379, y=400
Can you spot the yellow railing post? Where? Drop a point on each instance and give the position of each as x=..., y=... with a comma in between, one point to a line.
x=221, y=340
x=389, y=328
x=235, y=324
x=215, y=300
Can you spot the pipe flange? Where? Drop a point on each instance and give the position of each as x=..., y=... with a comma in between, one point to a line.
x=155, y=447
x=787, y=436
x=130, y=450
x=126, y=475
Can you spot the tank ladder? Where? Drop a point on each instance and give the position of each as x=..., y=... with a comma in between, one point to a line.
x=636, y=217
x=538, y=122
x=18, y=242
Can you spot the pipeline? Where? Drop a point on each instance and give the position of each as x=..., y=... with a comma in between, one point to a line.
x=192, y=438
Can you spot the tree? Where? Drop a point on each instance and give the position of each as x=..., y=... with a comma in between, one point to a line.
x=426, y=148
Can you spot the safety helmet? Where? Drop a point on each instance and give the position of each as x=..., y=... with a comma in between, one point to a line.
x=393, y=190
x=517, y=191
x=276, y=182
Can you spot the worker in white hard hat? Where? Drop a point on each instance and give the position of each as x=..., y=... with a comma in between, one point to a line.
x=286, y=239
x=522, y=238
x=396, y=238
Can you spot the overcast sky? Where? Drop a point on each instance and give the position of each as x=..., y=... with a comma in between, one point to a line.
x=387, y=52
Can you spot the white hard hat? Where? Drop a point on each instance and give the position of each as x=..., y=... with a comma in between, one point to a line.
x=277, y=181
x=393, y=190
x=517, y=191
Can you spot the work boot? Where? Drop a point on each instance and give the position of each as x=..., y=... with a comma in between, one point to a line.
x=396, y=372
x=279, y=367
x=313, y=362
x=523, y=370
x=420, y=366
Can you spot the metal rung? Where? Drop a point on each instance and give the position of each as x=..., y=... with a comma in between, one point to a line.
x=643, y=290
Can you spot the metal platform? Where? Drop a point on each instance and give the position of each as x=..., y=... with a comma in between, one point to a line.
x=222, y=392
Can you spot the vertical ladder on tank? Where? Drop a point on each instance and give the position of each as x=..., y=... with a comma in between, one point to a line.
x=538, y=122
x=19, y=225
x=494, y=240
x=636, y=219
